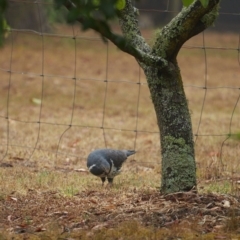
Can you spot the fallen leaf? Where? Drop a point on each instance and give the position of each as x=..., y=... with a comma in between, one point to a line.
x=93, y=200
x=109, y=207
x=74, y=143
x=99, y=227
x=217, y=227
x=12, y=198
x=214, y=209
x=81, y=170
x=40, y=229
x=226, y=204
x=220, y=237
x=18, y=158
x=36, y=101
x=6, y=165
x=60, y=213
x=214, y=154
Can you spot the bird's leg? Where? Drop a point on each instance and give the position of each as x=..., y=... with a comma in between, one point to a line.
x=110, y=181
x=103, y=180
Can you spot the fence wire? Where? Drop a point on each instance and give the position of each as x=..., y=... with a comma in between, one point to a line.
x=8, y=142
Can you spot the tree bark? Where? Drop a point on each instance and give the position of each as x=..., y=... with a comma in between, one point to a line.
x=174, y=121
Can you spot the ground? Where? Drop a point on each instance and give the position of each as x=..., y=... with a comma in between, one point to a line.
x=50, y=123
x=120, y=214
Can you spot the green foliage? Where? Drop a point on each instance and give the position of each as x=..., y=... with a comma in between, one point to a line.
x=88, y=12
x=93, y=14
x=120, y=5
x=3, y=24
x=186, y=3
x=55, y=15
x=204, y=3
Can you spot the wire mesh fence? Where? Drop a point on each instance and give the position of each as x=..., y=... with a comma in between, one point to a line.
x=66, y=92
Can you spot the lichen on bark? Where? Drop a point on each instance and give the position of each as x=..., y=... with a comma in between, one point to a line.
x=173, y=117
x=180, y=158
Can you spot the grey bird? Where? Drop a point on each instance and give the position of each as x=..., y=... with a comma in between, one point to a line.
x=107, y=163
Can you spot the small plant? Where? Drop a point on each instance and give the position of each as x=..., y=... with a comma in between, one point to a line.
x=70, y=190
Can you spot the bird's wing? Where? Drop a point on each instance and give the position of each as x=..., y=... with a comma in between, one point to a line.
x=117, y=157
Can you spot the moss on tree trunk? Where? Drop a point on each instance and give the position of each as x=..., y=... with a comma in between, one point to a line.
x=174, y=121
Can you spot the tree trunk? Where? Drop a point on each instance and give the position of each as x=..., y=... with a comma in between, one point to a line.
x=174, y=121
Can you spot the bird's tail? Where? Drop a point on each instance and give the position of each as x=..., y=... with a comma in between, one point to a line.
x=130, y=152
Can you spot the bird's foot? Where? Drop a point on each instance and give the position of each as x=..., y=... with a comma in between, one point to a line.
x=109, y=185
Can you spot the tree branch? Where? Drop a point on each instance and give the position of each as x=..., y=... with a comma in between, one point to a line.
x=206, y=21
x=123, y=44
x=131, y=43
x=128, y=21
x=189, y=22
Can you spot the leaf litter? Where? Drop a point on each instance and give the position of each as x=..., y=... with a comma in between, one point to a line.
x=93, y=210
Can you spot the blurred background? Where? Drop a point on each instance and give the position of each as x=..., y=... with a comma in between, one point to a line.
x=154, y=13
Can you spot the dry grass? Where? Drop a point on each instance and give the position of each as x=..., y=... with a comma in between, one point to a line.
x=45, y=196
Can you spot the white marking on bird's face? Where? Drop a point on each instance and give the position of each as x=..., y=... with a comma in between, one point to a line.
x=91, y=167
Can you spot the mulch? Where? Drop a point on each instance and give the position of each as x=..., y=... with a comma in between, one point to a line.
x=92, y=210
